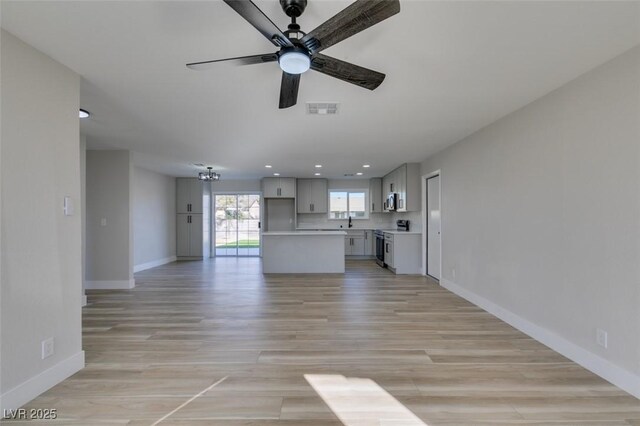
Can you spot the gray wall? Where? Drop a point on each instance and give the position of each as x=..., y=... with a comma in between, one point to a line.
x=154, y=216
x=109, y=195
x=40, y=247
x=541, y=211
x=236, y=185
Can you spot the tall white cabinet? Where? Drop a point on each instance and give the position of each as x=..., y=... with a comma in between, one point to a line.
x=192, y=219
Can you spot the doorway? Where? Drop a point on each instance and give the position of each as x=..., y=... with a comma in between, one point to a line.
x=433, y=227
x=236, y=224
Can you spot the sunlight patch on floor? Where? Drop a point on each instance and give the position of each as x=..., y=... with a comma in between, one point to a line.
x=361, y=402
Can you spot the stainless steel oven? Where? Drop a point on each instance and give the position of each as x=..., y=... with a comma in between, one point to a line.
x=379, y=235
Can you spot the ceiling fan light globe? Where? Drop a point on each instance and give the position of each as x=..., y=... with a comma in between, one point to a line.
x=294, y=62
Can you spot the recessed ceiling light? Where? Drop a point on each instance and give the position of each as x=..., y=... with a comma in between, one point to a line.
x=366, y=166
x=276, y=174
x=317, y=174
x=359, y=173
x=268, y=166
x=83, y=113
x=318, y=166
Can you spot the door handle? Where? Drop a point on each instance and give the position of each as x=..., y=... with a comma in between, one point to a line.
x=373, y=207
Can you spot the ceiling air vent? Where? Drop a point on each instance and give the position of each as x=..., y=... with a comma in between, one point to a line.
x=322, y=108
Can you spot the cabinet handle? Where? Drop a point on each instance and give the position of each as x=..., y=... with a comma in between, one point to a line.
x=373, y=207
x=386, y=248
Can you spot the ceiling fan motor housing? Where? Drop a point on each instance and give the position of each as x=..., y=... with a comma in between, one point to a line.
x=293, y=8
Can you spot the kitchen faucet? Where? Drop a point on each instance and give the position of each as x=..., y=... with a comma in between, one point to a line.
x=350, y=224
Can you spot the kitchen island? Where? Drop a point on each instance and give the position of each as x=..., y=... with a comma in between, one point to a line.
x=300, y=252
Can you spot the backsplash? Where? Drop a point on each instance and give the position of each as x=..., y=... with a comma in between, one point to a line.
x=375, y=221
x=321, y=221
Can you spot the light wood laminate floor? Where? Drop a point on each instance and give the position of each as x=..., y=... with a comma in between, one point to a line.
x=186, y=326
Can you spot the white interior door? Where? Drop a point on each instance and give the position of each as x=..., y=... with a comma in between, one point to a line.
x=433, y=227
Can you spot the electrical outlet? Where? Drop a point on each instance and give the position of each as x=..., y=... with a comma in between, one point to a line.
x=47, y=348
x=103, y=221
x=601, y=338
x=453, y=273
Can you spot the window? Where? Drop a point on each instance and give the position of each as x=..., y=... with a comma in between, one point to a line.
x=347, y=203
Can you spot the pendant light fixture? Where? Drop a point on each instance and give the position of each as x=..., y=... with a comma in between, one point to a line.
x=209, y=175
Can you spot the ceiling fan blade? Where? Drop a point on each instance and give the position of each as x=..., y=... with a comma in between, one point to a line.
x=356, y=17
x=252, y=13
x=242, y=60
x=289, y=90
x=346, y=71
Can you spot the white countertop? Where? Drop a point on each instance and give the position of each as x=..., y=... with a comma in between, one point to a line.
x=346, y=230
x=299, y=233
x=396, y=232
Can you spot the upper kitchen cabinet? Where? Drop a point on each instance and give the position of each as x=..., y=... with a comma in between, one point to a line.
x=375, y=195
x=189, y=195
x=277, y=187
x=404, y=181
x=312, y=195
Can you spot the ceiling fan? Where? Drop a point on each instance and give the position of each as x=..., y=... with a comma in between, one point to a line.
x=300, y=51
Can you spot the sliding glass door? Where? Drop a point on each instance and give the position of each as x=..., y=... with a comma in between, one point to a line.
x=237, y=224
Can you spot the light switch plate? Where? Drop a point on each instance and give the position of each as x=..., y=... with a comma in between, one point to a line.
x=68, y=206
x=602, y=338
x=47, y=348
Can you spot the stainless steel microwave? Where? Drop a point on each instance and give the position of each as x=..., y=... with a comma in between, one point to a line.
x=392, y=201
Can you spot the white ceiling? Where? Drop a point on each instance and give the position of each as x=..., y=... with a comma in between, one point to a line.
x=452, y=68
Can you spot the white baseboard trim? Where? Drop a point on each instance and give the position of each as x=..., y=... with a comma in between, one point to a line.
x=618, y=376
x=154, y=263
x=110, y=285
x=28, y=390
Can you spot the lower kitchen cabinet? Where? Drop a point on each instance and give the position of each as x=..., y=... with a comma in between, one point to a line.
x=354, y=245
x=369, y=244
x=190, y=236
x=403, y=251
x=359, y=243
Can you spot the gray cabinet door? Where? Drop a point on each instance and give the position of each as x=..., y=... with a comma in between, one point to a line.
x=288, y=187
x=270, y=187
x=196, y=188
x=182, y=235
x=303, y=199
x=319, y=196
x=347, y=246
x=375, y=195
x=357, y=246
x=182, y=195
x=368, y=243
x=195, y=235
